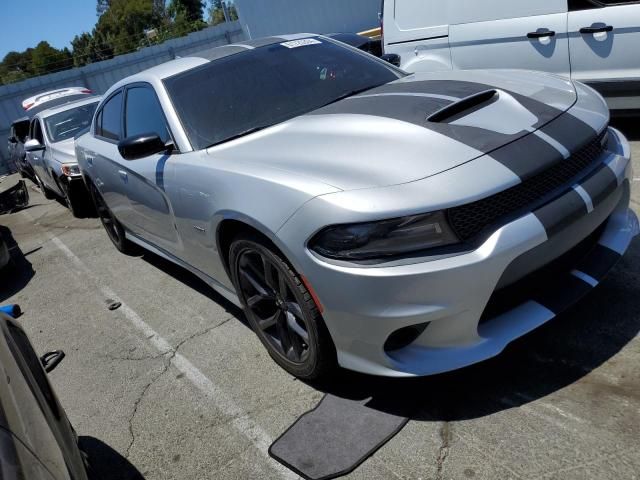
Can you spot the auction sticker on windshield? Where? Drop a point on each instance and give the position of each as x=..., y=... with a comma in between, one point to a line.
x=301, y=43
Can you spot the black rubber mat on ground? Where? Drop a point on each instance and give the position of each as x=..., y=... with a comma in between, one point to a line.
x=334, y=438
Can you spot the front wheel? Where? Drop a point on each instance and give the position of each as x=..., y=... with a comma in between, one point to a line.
x=48, y=194
x=280, y=309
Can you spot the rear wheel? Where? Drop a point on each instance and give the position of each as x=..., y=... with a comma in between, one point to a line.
x=114, y=229
x=280, y=309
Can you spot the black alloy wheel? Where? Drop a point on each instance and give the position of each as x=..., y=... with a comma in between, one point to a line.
x=281, y=310
x=114, y=229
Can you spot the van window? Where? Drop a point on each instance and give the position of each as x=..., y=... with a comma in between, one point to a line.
x=419, y=14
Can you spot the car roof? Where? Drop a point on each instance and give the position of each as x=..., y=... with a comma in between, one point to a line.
x=46, y=97
x=179, y=65
x=68, y=105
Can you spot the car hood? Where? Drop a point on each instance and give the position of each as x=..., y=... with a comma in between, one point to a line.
x=383, y=136
x=64, y=151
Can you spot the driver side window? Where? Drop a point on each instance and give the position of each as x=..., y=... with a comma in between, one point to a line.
x=36, y=131
x=143, y=113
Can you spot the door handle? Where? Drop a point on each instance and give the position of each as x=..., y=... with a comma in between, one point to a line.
x=591, y=30
x=541, y=34
x=123, y=176
x=90, y=161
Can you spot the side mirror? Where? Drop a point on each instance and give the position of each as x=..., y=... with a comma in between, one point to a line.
x=391, y=58
x=140, y=146
x=13, y=139
x=33, y=145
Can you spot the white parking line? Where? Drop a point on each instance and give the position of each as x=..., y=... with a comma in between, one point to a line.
x=241, y=421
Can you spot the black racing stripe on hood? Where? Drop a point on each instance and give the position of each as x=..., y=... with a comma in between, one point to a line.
x=571, y=132
x=451, y=88
x=415, y=109
x=461, y=89
x=407, y=109
x=528, y=156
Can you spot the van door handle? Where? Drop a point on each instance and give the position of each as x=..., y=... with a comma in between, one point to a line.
x=591, y=30
x=123, y=176
x=541, y=34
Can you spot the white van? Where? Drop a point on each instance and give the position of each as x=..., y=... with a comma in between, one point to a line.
x=594, y=41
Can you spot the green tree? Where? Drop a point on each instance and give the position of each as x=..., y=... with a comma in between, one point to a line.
x=191, y=9
x=216, y=12
x=47, y=59
x=122, y=27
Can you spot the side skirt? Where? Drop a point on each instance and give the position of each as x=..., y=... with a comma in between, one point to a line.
x=217, y=286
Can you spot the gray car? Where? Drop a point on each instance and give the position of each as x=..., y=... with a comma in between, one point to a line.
x=51, y=154
x=394, y=224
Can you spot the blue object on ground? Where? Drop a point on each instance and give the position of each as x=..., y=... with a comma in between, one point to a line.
x=13, y=310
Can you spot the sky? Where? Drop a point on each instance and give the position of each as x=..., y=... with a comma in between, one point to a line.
x=56, y=21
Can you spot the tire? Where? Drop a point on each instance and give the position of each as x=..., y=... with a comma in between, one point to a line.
x=77, y=200
x=280, y=310
x=48, y=194
x=115, y=230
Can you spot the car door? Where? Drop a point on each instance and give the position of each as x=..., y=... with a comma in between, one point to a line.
x=509, y=34
x=37, y=159
x=144, y=179
x=604, y=36
x=31, y=410
x=104, y=160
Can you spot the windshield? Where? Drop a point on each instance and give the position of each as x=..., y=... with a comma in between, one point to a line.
x=67, y=124
x=258, y=88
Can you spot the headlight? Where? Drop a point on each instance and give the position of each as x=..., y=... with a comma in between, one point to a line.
x=71, y=169
x=374, y=240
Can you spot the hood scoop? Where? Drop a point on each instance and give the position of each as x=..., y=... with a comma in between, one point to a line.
x=463, y=106
x=492, y=110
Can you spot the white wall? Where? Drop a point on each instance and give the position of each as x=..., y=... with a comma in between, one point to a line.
x=262, y=18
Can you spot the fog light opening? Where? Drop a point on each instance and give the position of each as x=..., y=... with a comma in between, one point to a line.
x=404, y=337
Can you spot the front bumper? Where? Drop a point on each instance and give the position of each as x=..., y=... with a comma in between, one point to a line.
x=364, y=306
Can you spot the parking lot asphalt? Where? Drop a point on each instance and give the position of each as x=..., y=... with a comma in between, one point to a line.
x=174, y=385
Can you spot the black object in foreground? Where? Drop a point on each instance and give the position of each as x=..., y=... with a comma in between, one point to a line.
x=334, y=438
x=15, y=198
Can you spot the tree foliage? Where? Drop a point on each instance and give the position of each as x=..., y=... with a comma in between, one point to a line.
x=123, y=26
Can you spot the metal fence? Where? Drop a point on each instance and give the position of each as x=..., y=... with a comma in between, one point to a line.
x=101, y=75
x=261, y=18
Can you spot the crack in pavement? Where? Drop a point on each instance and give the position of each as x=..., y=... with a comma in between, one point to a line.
x=443, y=451
x=171, y=353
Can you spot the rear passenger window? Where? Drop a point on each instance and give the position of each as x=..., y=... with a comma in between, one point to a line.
x=144, y=114
x=110, y=118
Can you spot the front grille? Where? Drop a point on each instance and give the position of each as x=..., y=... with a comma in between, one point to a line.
x=471, y=220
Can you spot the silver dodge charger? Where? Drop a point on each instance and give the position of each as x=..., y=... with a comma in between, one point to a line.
x=394, y=224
